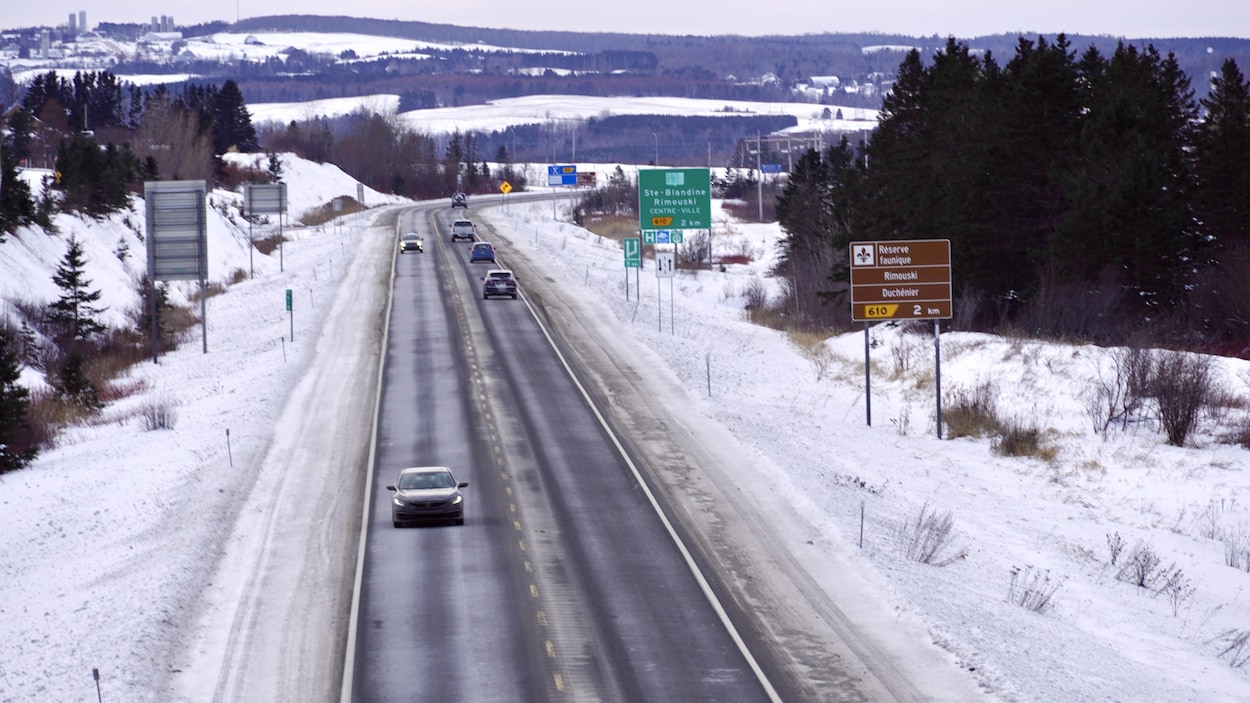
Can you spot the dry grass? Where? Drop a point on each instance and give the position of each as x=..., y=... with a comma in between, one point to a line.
x=615, y=227
x=971, y=412
x=268, y=245
x=326, y=213
x=1020, y=438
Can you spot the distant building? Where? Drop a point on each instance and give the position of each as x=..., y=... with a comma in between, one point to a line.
x=73, y=25
x=82, y=21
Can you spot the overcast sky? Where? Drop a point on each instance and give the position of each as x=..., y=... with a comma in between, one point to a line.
x=965, y=18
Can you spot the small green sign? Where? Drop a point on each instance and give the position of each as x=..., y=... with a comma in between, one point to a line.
x=288, y=298
x=633, y=253
x=675, y=199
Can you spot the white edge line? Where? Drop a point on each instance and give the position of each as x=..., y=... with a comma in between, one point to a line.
x=349, y=653
x=668, y=525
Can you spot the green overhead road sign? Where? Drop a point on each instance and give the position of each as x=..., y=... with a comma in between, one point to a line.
x=675, y=199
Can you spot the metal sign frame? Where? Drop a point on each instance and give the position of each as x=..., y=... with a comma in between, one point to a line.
x=176, y=215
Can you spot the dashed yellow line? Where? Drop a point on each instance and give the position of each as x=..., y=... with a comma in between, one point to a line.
x=559, y=681
x=533, y=591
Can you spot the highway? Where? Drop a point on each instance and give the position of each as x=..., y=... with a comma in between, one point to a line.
x=567, y=581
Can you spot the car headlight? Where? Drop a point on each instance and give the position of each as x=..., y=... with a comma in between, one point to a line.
x=457, y=500
x=398, y=501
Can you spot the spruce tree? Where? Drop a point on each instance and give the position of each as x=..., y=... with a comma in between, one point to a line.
x=232, y=124
x=73, y=313
x=16, y=447
x=17, y=208
x=1222, y=141
x=1129, y=220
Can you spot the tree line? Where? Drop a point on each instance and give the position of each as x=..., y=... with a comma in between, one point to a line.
x=1085, y=196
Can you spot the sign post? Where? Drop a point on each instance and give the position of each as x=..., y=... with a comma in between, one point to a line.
x=633, y=258
x=902, y=280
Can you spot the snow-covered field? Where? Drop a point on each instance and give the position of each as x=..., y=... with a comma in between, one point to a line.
x=109, y=537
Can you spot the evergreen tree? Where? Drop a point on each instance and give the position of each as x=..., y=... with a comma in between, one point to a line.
x=1128, y=218
x=73, y=313
x=275, y=167
x=1222, y=160
x=232, y=124
x=16, y=206
x=16, y=448
x=73, y=383
x=452, y=160
x=95, y=180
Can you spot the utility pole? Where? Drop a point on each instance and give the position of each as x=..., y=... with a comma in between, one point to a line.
x=759, y=175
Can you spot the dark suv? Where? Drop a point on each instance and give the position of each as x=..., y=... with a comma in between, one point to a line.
x=459, y=200
x=499, y=282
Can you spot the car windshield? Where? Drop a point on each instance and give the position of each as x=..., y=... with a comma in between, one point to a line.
x=416, y=481
x=500, y=275
x=481, y=247
x=411, y=237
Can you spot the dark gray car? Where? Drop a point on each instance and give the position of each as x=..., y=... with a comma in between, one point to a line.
x=427, y=494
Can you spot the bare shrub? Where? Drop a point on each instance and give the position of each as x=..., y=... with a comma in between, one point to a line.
x=1210, y=521
x=1237, y=549
x=1115, y=546
x=159, y=412
x=904, y=354
x=695, y=251
x=1176, y=588
x=1018, y=437
x=1236, y=647
x=1183, y=385
x=1143, y=568
x=929, y=538
x=755, y=294
x=1032, y=590
x=902, y=423
x=971, y=412
x=1119, y=393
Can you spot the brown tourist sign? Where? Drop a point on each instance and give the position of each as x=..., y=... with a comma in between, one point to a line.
x=901, y=280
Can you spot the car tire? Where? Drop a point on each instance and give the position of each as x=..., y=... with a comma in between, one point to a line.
x=514, y=296
x=396, y=523
x=485, y=297
x=459, y=521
